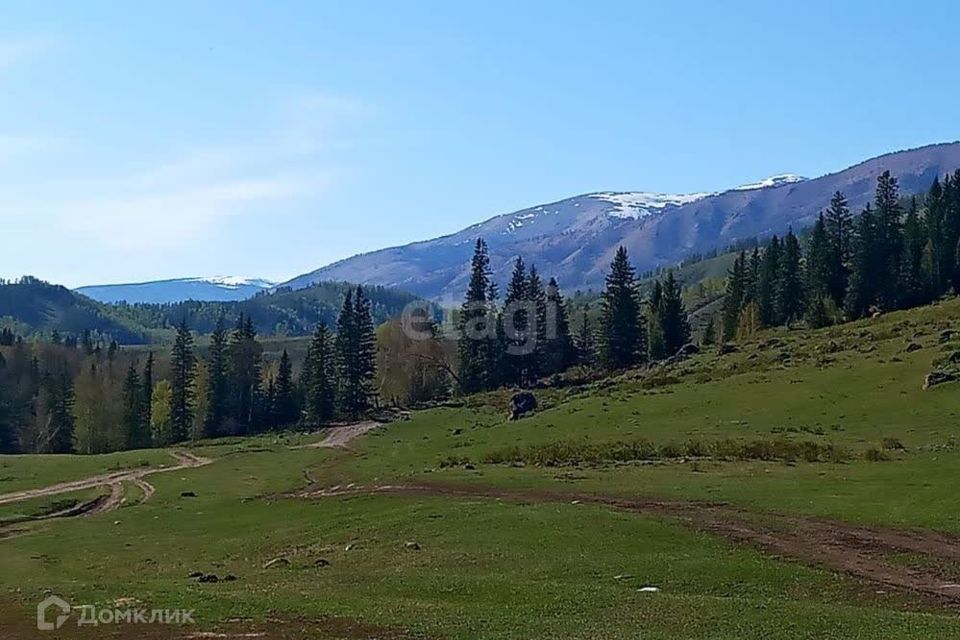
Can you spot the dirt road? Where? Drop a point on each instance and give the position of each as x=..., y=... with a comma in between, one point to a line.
x=340, y=437
x=114, y=480
x=866, y=553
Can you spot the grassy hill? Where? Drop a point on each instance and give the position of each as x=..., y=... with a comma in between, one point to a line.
x=802, y=486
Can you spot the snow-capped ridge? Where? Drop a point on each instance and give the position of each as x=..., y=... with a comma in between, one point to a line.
x=233, y=282
x=778, y=180
x=633, y=205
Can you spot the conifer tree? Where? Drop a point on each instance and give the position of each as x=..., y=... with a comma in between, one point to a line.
x=285, y=408
x=356, y=353
x=623, y=339
x=586, y=345
x=674, y=324
x=182, y=361
x=519, y=326
x=790, y=294
x=913, y=288
x=889, y=239
x=864, y=276
x=819, y=262
x=839, y=227
x=146, y=400
x=246, y=362
x=936, y=260
x=656, y=345
x=318, y=372
x=709, y=332
x=56, y=400
x=135, y=435
x=478, y=327
x=560, y=348
x=768, y=284
x=735, y=295
x=218, y=381
x=537, y=326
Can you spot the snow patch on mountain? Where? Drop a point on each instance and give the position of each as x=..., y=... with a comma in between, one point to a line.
x=234, y=282
x=634, y=205
x=773, y=181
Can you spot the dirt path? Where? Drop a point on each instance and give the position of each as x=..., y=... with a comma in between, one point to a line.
x=114, y=480
x=863, y=552
x=339, y=437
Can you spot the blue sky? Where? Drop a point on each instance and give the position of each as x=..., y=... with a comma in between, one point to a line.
x=152, y=140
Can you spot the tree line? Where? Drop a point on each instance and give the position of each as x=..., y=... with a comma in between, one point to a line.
x=74, y=397
x=897, y=253
x=529, y=337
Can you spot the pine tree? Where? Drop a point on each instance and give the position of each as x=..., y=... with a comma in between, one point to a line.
x=478, y=327
x=586, y=344
x=246, y=363
x=318, y=377
x=537, y=326
x=519, y=325
x=218, y=381
x=285, y=406
x=56, y=400
x=937, y=262
x=889, y=239
x=819, y=263
x=182, y=363
x=790, y=294
x=656, y=344
x=735, y=295
x=817, y=315
x=839, y=226
x=768, y=284
x=862, y=289
x=146, y=400
x=561, y=352
x=674, y=324
x=623, y=339
x=913, y=288
x=356, y=354
x=135, y=436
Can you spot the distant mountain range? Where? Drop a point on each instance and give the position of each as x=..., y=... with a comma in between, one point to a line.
x=215, y=289
x=574, y=239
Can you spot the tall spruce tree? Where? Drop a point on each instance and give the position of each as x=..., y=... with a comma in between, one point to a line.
x=519, y=324
x=915, y=284
x=889, y=238
x=136, y=435
x=246, y=368
x=537, y=328
x=735, y=295
x=585, y=341
x=864, y=276
x=477, y=327
x=560, y=349
x=674, y=324
x=790, y=293
x=819, y=262
x=319, y=372
x=768, y=284
x=146, y=399
x=656, y=346
x=218, y=381
x=623, y=339
x=839, y=227
x=182, y=362
x=285, y=409
x=356, y=353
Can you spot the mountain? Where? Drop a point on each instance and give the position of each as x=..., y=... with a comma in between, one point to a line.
x=32, y=307
x=218, y=288
x=574, y=239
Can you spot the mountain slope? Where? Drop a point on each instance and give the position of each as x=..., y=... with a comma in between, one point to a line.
x=574, y=239
x=219, y=288
x=30, y=306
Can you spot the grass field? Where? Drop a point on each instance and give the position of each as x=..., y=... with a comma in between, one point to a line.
x=510, y=550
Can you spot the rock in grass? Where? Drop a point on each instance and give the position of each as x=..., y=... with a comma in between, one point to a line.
x=913, y=346
x=412, y=545
x=321, y=562
x=277, y=562
x=208, y=577
x=188, y=494
x=195, y=575
x=521, y=404
x=938, y=377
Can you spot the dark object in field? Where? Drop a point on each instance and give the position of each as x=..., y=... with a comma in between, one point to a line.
x=947, y=335
x=188, y=494
x=208, y=577
x=727, y=347
x=195, y=575
x=412, y=546
x=938, y=377
x=321, y=562
x=229, y=578
x=521, y=404
x=913, y=346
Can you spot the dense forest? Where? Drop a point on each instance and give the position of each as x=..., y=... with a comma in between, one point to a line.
x=39, y=310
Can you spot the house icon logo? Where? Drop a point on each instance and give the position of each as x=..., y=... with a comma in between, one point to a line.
x=51, y=606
